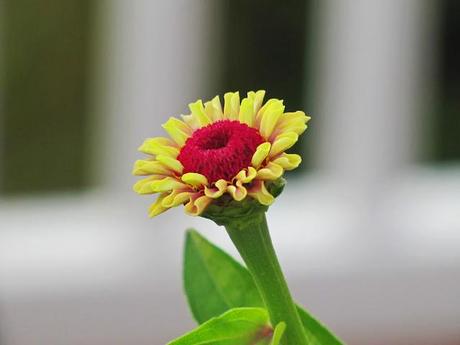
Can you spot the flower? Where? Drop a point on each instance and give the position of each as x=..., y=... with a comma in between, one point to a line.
x=214, y=152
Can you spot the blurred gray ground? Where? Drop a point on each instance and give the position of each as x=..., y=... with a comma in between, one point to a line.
x=113, y=276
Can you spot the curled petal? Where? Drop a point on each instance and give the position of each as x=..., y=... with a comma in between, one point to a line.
x=292, y=122
x=213, y=109
x=192, y=121
x=283, y=142
x=146, y=167
x=170, y=163
x=231, y=105
x=247, y=114
x=238, y=191
x=246, y=176
x=262, y=110
x=178, y=130
x=269, y=118
x=260, y=193
x=288, y=161
x=271, y=172
x=166, y=184
x=160, y=146
x=195, y=179
x=217, y=190
x=261, y=153
x=144, y=186
x=198, y=112
x=197, y=205
x=257, y=99
x=176, y=198
x=156, y=208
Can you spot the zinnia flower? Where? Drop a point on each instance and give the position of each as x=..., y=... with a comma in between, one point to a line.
x=212, y=152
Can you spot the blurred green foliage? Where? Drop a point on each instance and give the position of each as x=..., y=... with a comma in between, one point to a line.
x=45, y=79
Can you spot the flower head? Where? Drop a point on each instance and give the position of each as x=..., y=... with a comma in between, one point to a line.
x=215, y=153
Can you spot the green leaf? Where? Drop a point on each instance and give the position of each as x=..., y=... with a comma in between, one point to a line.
x=215, y=282
x=239, y=326
x=317, y=333
x=278, y=333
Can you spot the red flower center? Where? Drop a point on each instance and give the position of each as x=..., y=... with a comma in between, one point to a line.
x=220, y=150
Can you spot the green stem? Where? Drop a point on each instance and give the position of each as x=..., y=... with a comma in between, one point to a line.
x=252, y=239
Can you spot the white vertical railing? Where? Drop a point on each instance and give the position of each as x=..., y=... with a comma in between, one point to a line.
x=371, y=71
x=157, y=59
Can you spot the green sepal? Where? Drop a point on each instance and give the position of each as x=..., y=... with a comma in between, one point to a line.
x=278, y=333
x=239, y=326
x=215, y=282
x=226, y=209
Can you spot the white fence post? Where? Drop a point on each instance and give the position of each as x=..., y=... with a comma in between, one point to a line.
x=157, y=63
x=370, y=70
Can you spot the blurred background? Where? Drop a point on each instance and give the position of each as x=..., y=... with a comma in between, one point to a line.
x=368, y=231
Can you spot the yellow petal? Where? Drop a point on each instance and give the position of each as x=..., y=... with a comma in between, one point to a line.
x=213, y=109
x=257, y=99
x=269, y=118
x=197, y=110
x=283, y=142
x=144, y=186
x=156, y=208
x=176, y=198
x=288, y=161
x=196, y=206
x=160, y=146
x=292, y=122
x=217, y=190
x=231, y=105
x=246, y=176
x=167, y=184
x=178, y=130
x=262, y=110
x=191, y=121
x=247, y=114
x=146, y=167
x=149, y=185
x=238, y=191
x=195, y=179
x=271, y=172
x=261, y=153
x=170, y=163
x=260, y=193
